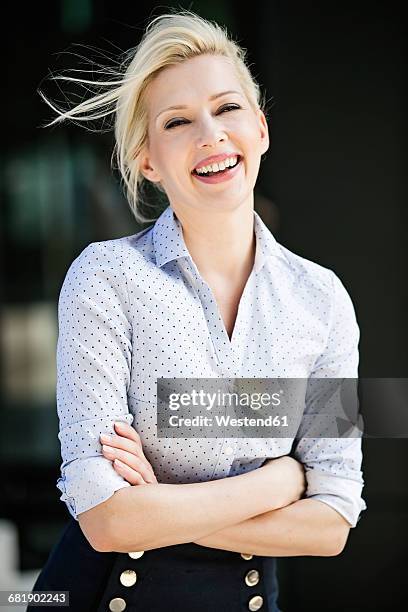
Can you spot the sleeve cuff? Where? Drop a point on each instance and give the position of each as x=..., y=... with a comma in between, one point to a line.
x=88, y=482
x=342, y=494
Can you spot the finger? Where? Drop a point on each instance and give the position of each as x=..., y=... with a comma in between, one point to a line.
x=123, y=429
x=120, y=443
x=127, y=431
x=129, y=444
x=133, y=478
x=129, y=459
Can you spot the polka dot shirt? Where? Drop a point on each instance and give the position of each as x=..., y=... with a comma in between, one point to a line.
x=135, y=309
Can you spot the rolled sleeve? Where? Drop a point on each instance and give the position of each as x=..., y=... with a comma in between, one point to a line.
x=94, y=352
x=333, y=474
x=333, y=465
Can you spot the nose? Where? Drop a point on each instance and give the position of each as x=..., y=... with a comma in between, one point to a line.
x=210, y=132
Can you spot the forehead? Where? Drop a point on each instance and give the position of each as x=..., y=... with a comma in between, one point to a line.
x=191, y=80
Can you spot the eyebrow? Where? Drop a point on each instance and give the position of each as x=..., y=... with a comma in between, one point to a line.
x=211, y=99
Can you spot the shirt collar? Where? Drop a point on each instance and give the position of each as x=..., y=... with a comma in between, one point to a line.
x=266, y=245
x=168, y=240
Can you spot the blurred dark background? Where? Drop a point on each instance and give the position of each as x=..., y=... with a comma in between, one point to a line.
x=332, y=188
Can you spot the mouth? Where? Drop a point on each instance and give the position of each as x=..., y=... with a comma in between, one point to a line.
x=220, y=174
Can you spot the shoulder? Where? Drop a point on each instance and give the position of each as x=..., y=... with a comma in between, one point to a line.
x=310, y=279
x=112, y=257
x=306, y=272
x=104, y=266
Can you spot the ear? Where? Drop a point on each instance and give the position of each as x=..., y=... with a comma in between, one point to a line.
x=146, y=167
x=264, y=131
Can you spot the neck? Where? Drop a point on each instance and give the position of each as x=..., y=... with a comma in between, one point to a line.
x=221, y=245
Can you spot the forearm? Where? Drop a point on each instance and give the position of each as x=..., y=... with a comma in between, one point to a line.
x=306, y=527
x=157, y=515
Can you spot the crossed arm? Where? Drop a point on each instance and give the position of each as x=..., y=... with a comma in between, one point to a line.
x=305, y=527
x=233, y=514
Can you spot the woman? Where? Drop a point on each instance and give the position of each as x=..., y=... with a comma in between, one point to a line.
x=206, y=292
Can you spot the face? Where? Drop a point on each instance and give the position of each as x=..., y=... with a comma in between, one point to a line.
x=214, y=121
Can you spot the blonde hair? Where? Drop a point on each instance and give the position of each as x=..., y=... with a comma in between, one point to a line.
x=168, y=39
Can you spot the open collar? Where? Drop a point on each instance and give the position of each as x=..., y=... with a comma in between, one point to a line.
x=169, y=245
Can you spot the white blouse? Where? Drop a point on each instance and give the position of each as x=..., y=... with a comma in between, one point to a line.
x=135, y=309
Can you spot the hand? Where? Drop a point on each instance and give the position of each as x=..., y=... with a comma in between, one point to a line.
x=126, y=452
x=290, y=475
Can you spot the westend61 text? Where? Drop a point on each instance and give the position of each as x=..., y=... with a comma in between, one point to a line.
x=228, y=421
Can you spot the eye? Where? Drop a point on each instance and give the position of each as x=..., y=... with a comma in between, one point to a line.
x=229, y=107
x=176, y=122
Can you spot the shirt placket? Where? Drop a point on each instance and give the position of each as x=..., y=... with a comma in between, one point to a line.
x=226, y=360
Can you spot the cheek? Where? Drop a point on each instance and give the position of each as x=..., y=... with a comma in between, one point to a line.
x=249, y=134
x=163, y=164
x=173, y=157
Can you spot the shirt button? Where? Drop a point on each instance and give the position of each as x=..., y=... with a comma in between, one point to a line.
x=246, y=556
x=229, y=450
x=117, y=604
x=136, y=554
x=128, y=578
x=255, y=603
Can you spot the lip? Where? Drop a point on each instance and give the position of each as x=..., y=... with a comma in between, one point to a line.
x=213, y=159
x=220, y=178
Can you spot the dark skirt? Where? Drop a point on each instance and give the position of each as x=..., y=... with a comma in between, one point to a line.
x=169, y=579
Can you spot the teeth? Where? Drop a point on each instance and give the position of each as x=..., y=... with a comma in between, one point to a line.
x=226, y=163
